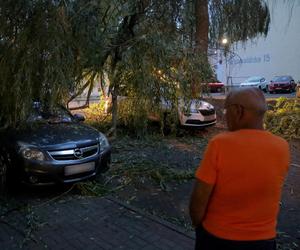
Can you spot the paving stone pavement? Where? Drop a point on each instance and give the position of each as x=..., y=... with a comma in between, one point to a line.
x=89, y=223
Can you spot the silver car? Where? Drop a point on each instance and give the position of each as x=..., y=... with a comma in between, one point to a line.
x=255, y=82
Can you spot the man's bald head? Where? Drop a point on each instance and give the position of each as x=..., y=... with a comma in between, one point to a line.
x=245, y=108
x=250, y=98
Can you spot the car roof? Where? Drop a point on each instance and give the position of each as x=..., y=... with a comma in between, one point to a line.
x=255, y=77
x=283, y=76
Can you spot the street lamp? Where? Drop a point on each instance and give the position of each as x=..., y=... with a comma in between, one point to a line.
x=225, y=45
x=224, y=41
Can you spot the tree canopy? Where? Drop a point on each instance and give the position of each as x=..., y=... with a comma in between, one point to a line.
x=50, y=50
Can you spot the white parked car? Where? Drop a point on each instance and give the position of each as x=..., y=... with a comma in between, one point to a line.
x=200, y=113
x=255, y=81
x=193, y=113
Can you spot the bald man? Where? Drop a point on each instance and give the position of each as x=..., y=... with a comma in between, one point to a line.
x=235, y=201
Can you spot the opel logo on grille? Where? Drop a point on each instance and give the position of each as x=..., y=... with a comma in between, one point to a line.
x=78, y=153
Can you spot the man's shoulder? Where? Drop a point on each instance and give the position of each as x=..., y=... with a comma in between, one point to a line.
x=278, y=140
x=228, y=136
x=224, y=136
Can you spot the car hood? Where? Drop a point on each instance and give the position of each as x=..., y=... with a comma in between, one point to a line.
x=48, y=135
x=281, y=82
x=249, y=83
x=197, y=104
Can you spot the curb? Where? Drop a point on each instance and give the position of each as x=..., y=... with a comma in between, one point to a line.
x=153, y=218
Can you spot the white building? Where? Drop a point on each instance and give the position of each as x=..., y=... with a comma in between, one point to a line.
x=276, y=54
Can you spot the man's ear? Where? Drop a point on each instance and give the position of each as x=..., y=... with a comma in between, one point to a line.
x=240, y=111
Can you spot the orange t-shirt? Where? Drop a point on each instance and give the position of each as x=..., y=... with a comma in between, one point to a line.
x=247, y=168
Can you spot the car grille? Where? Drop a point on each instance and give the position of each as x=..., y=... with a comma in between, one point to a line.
x=197, y=122
x=280, y=85
x=207, y=112
x=75, y=154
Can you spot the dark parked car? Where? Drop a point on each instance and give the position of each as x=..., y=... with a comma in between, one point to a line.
x=281, y=83
x=53, y=146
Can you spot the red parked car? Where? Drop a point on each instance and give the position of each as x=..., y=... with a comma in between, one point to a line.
x=216, y=87
x=282, y=83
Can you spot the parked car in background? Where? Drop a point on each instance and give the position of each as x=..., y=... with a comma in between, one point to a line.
x=282, y=83
x=191, y=113
x=53, y=146
x=255, y=81
x=196, y=113
x=216, y=87
x=298, y=90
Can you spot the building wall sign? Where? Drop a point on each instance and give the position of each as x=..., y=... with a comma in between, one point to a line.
x=266, y=58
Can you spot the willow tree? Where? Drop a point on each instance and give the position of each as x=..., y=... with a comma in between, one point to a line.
x=150, y=59
x=237, y=20
x=47, y=48
x=36, y=58
x=50, y=49
x=205, y=22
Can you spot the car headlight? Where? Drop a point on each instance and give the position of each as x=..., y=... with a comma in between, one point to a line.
x=209, y=106
x=194, y=111
x=104, y=144
x=33, y=154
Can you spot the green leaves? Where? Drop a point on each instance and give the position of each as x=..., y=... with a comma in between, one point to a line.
x=238, y=20
x=36, y=61
x=284, y=118
x=48, y=47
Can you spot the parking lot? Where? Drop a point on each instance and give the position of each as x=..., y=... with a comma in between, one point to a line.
x=267, y=95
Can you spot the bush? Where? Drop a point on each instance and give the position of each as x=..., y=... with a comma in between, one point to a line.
x=283, y=118
x=132, y=115
x=95, y=116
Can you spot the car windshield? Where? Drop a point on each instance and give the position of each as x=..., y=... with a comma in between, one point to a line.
x=253, y=79
x=281, y=78
x=56, y=114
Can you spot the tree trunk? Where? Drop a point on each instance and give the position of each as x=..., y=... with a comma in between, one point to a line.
x=114, y=112
x=202, y=24
x=126, y=33
x=102, y=85
x=201, y=38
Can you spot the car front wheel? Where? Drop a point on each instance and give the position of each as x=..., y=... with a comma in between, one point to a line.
x=265, y=90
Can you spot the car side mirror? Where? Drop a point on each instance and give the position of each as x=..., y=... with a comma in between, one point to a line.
x=79, y=117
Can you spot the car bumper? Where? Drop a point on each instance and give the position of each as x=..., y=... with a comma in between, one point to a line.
x=214, y=89
x=54, y=172
x=249, y=86
x=281, y=88
x=197, y=123
x=194, y=120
